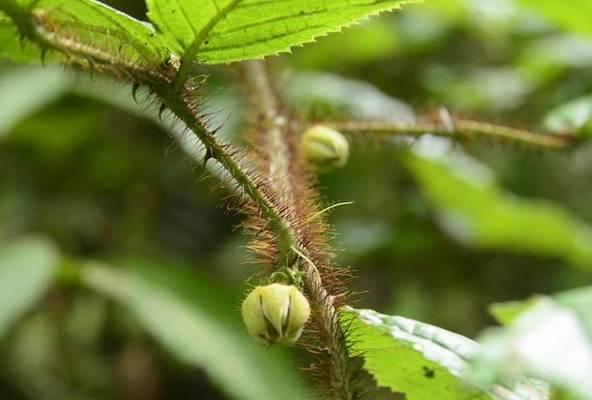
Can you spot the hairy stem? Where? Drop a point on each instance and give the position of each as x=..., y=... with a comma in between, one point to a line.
x=344, y=381
x=338, y=377
x=458, y=128
x=182, y=108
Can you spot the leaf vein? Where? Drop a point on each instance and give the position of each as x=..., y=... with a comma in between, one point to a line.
x=257, y=41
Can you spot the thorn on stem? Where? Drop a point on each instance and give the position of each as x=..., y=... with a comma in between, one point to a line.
x=209, y=155
x=135, y=88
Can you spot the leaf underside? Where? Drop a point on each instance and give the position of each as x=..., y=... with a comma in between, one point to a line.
x=26, y=270
x=422, y=361
x=84, y=31
x=11, y=47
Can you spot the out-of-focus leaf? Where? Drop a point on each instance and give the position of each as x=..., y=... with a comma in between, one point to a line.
x=573, y=15
x=546, y=59
x=329, y=94
x=421, y=361
x=192, y=321
x=26, y=270
x=572, y=117
x=234, y=30
x=507, y=312
x=550, y=340
x=476, y=211
x=25, y=91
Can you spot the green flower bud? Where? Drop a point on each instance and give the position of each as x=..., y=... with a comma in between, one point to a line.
x=275, y=313
x=325, y=147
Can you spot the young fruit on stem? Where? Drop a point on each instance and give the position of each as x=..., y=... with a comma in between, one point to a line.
x=275, y=313
x=325, y=147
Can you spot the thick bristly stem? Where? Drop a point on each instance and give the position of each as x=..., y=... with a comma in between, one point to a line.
x=331, y=350
x=183, y=109
x=275, y=146
x=343, y=382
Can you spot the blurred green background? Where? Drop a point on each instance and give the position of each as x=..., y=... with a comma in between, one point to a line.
x=100, y=179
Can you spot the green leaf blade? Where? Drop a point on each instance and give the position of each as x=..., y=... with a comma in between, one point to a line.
x=424, y=362
x=235, y=30
x=419, y=360
x=10, y=46
x=87, y=33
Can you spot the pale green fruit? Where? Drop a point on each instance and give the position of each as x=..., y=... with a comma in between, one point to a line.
x=325, y=147
x=275, y=313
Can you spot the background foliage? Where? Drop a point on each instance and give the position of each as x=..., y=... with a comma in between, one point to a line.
x=435, y=236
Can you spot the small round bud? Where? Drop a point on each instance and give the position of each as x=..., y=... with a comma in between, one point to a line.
x=275, y=313
x=324, y=146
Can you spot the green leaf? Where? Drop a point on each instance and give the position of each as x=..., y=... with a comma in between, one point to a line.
x=90, y=33
x=573, y=15
x=476, y=211
x=572, y=117
x=26, y=270
x=550, y=340
x=200, y=327
x=233, y=30
x=422, y=361
x=12, y=48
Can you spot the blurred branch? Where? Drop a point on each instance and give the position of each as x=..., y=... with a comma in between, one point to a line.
x=455, y=128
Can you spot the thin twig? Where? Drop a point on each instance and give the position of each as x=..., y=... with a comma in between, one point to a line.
x=460, y=128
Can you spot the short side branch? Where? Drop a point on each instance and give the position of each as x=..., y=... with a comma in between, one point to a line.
x=458, y=129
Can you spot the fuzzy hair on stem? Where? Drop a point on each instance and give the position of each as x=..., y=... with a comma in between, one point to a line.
x=286, y=174
x=454, y=128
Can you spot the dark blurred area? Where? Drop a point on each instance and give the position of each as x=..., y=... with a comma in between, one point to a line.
x=105, y=183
